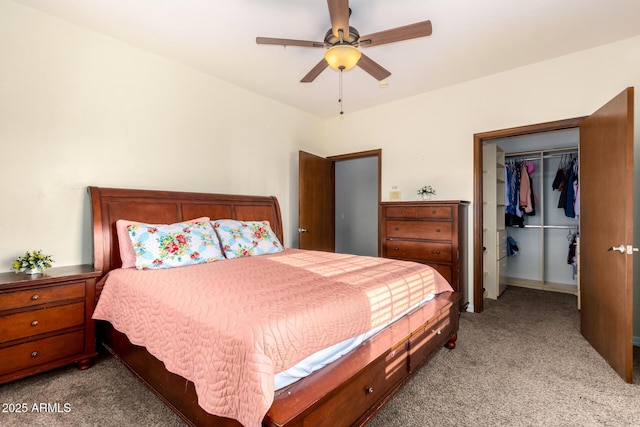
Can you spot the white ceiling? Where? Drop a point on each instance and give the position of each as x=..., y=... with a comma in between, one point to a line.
x=471, y=39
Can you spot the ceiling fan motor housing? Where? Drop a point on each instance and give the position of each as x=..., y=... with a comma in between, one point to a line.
x=332, y=40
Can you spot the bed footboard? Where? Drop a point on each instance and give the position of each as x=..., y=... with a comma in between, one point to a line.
x=353, y=389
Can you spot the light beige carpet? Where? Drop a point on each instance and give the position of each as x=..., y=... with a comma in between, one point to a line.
x=522, y=362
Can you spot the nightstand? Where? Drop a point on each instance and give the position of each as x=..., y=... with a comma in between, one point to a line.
x=45, y=320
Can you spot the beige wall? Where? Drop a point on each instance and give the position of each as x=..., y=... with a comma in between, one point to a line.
x=80, y=109
x=428, y=139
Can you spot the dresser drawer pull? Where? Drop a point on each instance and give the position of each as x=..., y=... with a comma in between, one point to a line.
x=34, y=354
x=433, y=212
x=437, y=230
x=396, y=249
x=34, y=323
x=396, y=228
x=437, y=332
x=437, y=252
x=368, y=390
x=35, y=297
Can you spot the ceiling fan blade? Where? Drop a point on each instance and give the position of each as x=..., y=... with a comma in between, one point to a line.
x=315, y=71
x=339, y=15
x=288, y=42
x=411, y=31
x=370, y=66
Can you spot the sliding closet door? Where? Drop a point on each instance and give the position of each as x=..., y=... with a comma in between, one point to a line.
x=606, y=191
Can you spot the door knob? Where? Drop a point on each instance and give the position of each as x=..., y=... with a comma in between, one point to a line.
x=617, y=248
x=302, y=230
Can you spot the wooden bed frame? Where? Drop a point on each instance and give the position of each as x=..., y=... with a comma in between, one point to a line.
x=347, y=392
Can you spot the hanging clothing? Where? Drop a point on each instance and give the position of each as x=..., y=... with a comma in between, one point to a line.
x=512, y=247
x=569, y=194
x=513, y=216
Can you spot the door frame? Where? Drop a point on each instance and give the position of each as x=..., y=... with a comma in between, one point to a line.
x=478, y=197
x=349, y=156
x=360, y=155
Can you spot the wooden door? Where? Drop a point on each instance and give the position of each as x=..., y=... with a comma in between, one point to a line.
x=606, y=221
x=316, y=220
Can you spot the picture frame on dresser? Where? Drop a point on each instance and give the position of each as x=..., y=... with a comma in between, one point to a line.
x=429, y=232
x=45, y=320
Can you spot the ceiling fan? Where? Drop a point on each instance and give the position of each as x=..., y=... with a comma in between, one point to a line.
x=342, y=42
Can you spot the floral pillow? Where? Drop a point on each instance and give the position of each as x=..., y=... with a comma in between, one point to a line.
x=246, y=238
x=127, y=254
x=174, y=245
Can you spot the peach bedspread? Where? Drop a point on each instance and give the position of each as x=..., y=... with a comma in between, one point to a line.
x=229, y=326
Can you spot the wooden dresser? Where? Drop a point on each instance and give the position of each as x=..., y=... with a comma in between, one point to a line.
x=45, y=320
x=430, y=232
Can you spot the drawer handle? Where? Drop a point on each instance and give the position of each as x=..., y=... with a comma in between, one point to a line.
x=396, y=249
x=437, y=252
x=34, y=323
x=437, y=230
x=35, y=297
x=433, y=212
x=34, y=354
x=396, y=228
x=368, y=390
x=437, y=332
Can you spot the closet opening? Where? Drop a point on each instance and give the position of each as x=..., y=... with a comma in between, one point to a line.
x=533, y=241
x=543, y=145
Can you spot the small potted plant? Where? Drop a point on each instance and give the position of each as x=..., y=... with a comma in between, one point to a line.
x=34, y=262
x=426, y=192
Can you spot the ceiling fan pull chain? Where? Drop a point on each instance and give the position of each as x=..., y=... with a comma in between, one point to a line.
x=340, y=94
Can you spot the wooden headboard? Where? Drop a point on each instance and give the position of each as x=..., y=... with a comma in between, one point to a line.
x=166, y=207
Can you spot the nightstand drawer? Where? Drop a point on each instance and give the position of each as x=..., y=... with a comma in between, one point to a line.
x=419, y=250
x=44, y=295
x=40, y=351
x=430, y=230
x=30, y=323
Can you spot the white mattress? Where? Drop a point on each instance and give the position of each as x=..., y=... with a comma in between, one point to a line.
x=323, y=357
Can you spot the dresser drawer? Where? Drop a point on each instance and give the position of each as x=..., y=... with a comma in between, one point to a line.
x=429, y=339
x=361, y=392
x=427, y=251
x=502, y=251
x=44, y=295
x=401, y=212
x=430, y=230
x=436, y=212
x=30, y=323
x=427, y=212
x=40, y=351
x=502, y=237
x=447, y=272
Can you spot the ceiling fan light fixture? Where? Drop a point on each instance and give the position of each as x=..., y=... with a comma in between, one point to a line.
x=342, y=57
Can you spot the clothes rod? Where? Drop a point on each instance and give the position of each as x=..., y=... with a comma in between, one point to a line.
x=564, y=227
x=566, y=150
x=548, y=156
